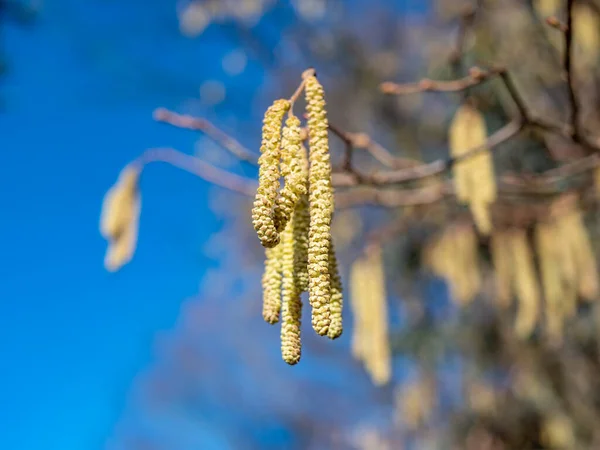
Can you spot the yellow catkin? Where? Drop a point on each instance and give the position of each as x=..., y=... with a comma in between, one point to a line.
x=119, y=219
x=474, y=179
x=271, y=284
x=453, y=255
x=525, y=284
x=370, y=340
x=116, y=206
x=586, y=35
x=467, y=276
x=268, y=177
x=359, y=308
x=291, y=309
x=547, y=245
x=574, y=234
x=301, y=222
x=291, y=170
x=121, y=250
x=320, y=205
x=501, y=260
x=335, y=307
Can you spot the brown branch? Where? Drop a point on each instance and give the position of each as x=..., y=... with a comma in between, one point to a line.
x=425, y=170
x=392, y=198
x=555, y=23
x=476, y=76
x=569, y=71
x=202, y=169
x=203, y=125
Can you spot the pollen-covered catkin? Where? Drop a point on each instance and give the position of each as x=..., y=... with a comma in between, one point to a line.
x=268, y=177
x=271, y=284
x=335, y=307
x=291, y=170
x=291, y=303
x=301, y=222
x=320, y=205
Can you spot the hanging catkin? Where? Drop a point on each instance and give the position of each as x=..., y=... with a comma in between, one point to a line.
x=119, y=219
x=547, y=245
x=586, y=35
x=321, y=207
x=291, y=303
x=525, y=284
x=501, y=260
x=268, y=177
x=474, y=179
x=453, y=255
x=291, y=170
x=335, y=307
x=370, y=341
x=271, y=284
x=574, y=234
x=301, y=222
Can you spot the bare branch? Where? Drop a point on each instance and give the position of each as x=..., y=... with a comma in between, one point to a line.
x=392, y=198
x=425, y=170
x=476, y=76
x=202, y=169
x=203, y=125
x=569, y=71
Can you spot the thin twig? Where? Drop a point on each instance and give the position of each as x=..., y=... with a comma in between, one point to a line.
x=211, y=131
x=202, y=169
x=475, y=77
x=392, y=198
x=425, y=170
x=569, y=71
x=555, y=23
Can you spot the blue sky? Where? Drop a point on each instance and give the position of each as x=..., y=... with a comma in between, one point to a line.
x=79, y=99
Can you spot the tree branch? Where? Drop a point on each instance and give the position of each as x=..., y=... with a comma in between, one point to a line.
x=220, y=137
x=202, y=169
x=569, y=71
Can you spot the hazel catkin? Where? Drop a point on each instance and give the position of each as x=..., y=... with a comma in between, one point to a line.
x=321, y=206
x=291, y=303
x=268, y=176
x=292, y=172
x=271, y=284
x=119, y=219
x=335, y=306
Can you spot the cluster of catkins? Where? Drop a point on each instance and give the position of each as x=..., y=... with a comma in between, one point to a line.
x=560, y=245
x=293, y=222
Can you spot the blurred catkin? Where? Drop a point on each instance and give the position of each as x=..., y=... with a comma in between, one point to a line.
x=501, y=260
x=291, y=303
x=370, y=341
x=271, y=284
x=320, y=206
x=474, y=179
x=574, y=234
x=268, y=177
x=119, y=219
x=547, y=245
x=291, y=170
x=525, y=284
x=453, y=255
